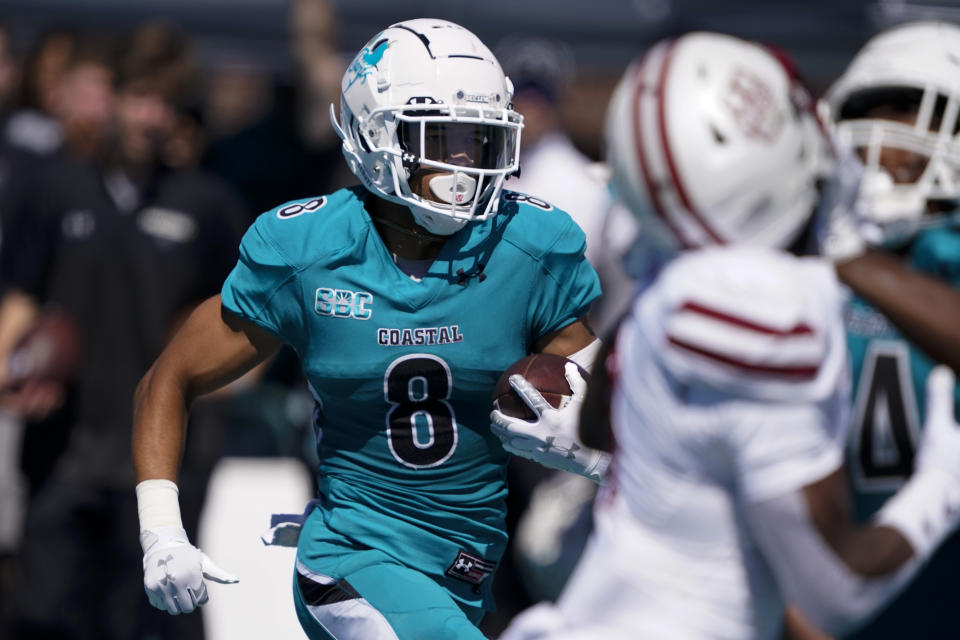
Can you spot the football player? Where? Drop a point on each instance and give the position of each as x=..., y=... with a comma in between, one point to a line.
x=896, y=105
x=731, y=391
x=405, y=298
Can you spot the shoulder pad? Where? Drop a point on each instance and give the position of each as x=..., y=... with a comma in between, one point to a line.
x=523, y=200
x=526, y=227
x=301, y=230
x=756, y=322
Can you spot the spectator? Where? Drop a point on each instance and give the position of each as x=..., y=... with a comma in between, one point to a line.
x=124, y=245
x=292, y=151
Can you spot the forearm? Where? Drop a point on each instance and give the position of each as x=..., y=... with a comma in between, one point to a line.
x=835, y=585
x=868, y=551
x=159, y=425
x=17, y=313
x=924, y=308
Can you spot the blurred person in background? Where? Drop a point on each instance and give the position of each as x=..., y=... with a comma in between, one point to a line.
x=551, y=167
x=896, y=106
x=12, y=489
x=290, y=151
x=9, y=74
x=124, y=246
x=78, y=97
x=378, y=287
x=730, y=396
x=32, y=125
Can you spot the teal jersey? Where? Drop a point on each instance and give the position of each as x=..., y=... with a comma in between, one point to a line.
x=889, y=375
x=403, y=371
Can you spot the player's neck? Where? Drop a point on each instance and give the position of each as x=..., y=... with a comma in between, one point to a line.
x=401, y=235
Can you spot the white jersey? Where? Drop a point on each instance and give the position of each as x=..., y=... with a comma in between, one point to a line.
x=731, y=387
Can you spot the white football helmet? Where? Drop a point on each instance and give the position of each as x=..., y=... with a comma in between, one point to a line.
x=427, y=95
x=909, y=69
x=711, y=140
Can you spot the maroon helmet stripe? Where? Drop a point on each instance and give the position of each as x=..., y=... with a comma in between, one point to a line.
x=797, y=330
x=652, y=188
x=665, y=145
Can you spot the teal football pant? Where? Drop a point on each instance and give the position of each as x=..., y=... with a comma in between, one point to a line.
x=376, y=599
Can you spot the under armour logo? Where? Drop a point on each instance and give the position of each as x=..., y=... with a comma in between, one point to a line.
x=477, y=273
x=470, y=568
x=167, y=576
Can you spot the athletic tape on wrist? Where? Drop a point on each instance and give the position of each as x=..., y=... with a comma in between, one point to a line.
x=586, y=356
x=158, y=504
x=925, y=510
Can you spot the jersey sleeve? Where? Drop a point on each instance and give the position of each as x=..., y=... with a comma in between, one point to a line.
x=937, y=252
x=263, y=287
x=782, y=448
x=568, y=286
x=754, y=323
x=756, y=336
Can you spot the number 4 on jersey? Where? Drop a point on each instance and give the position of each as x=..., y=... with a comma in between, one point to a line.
x=885, y=422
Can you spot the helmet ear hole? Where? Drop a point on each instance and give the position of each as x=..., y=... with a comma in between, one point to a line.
x=363, y=141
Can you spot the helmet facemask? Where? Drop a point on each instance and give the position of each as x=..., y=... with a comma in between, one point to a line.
x=911, y=164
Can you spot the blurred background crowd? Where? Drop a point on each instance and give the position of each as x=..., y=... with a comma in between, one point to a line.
x=139, y=139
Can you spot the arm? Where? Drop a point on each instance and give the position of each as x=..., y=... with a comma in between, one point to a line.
x=926, y=309
x=840, y=574
x=837, y=574
x=212, y=348
x=567, y=341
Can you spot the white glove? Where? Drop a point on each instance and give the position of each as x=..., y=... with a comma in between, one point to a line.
x=927, y=508
x=940, y=445
x=552, y=438
x=174, y=569
x=843, y=239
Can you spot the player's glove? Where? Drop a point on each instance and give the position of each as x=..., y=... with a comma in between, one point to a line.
x=940, y=445
x=552, y=438
x=927, y=508
x=174, y=570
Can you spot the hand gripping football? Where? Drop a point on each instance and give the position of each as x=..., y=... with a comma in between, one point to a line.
x=545, y=371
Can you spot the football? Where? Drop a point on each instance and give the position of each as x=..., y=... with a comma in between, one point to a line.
x=545, y=371
x=50, y=351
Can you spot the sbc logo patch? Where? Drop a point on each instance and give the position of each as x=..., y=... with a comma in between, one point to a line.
x=343, y=303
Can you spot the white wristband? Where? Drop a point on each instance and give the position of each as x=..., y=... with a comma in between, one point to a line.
x=586, y=356
x=158, y=504
x=925, y=510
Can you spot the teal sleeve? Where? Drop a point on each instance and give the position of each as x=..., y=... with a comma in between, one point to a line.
x=568, y=286
x=937, y=252
x=262, y=287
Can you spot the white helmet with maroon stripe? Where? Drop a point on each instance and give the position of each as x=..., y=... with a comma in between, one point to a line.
x=711, y=140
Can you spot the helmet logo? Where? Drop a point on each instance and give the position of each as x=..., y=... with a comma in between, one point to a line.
x=366, y=61
x=751, y=102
